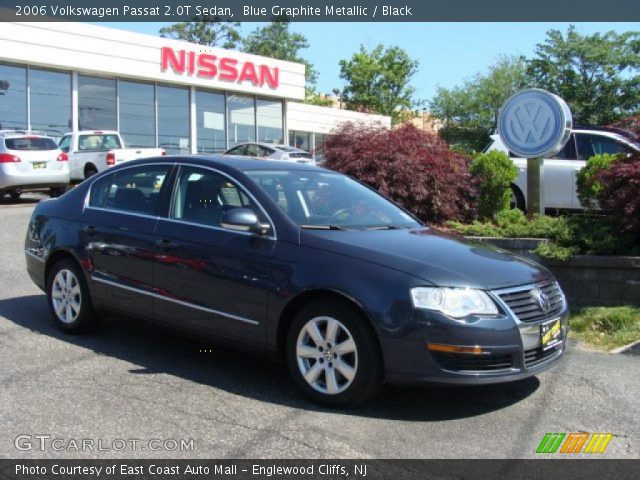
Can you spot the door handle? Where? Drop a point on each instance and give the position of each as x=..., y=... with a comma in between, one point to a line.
x=166, y=244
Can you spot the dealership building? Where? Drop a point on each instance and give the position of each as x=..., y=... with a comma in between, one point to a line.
x=183, y=97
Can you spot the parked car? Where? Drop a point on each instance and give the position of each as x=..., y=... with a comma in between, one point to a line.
x=92, y=151
x=31, y=161
x=272, y=152
x=293, y=260
x=559, y=172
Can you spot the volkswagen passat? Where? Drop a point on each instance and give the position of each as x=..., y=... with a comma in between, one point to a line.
x=295, y=261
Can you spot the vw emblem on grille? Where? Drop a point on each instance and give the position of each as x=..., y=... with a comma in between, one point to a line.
x=541, y=299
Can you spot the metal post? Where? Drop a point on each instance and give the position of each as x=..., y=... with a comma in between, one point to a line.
x=535, y=205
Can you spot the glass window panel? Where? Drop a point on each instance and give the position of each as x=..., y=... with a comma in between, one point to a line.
x=13, y=97
x=96, y=103
x=137, y=114
x=210, y=122
x=300, y=140
x=241, y=115
x=269, y=113
x=50, y=101
x=173, y=120
x=133, y=190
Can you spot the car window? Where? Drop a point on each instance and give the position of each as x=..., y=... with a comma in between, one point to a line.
x=65, y=143
x=266, y=151
x=324, y=199
x=253, y=150
x=98, y=142
x=590, y=145
x=133, y=190
x=568, y=152
x=202, y=196
x=239, y=150
x=30, y=143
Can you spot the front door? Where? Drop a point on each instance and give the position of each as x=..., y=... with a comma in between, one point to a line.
x=209, y=278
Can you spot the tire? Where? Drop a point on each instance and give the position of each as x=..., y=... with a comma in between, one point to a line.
x=56, y=192
x=517, y=199
x=89, y=171
x=335, y=379
x=15, y=196
x=69, y=299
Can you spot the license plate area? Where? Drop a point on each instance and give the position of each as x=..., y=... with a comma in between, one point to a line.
x=551, y=334
x=39, y=165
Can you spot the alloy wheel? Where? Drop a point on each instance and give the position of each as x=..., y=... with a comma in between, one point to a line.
x=66, y=296
x=327, y=355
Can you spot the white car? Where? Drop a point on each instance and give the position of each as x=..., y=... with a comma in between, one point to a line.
x=559, y=173
x=31, y=161
x=272, y=152
x=92, y=151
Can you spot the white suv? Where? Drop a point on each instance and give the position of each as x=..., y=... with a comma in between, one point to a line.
x=559, y=172
x=31, y=161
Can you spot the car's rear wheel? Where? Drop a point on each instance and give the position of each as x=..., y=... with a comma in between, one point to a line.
x=90, y=171
x=333, y=355
x=69, y=299
x=517, y=199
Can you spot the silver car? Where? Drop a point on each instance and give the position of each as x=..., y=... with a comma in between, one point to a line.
x=272, y=152
x=31, y=161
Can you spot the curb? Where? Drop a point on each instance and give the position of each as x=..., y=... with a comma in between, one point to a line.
x=633, y=348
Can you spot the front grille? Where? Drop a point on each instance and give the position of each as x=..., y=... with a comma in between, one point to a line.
x=461, y=362
x=536, y=355
x=524, y=305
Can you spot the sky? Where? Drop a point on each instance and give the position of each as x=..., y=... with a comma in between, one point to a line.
x=448, y=53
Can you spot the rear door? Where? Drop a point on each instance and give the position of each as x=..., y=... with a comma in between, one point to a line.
x=209, y=278
x=119, y=224
x=559, y=177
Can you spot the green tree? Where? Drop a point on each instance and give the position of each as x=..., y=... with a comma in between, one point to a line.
x=276, y=40
x=205, y=31
x=378, y=81
x=469, y=112
x=598, y=75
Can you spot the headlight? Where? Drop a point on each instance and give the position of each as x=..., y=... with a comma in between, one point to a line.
x=453, y=302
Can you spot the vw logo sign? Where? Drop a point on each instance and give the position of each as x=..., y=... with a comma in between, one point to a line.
x=541, y=299
x=534, y=123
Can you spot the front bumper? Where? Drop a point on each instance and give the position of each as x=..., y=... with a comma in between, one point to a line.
x=511, y=349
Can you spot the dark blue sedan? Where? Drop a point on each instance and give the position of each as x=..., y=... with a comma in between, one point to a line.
x=295, y=261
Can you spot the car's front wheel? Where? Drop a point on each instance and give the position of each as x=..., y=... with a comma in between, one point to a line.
x=69, y=300
x=333, y=355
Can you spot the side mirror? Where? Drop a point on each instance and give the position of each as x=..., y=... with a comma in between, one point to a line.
x=243, y=220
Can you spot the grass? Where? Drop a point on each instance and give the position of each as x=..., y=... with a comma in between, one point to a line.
x=606, y=327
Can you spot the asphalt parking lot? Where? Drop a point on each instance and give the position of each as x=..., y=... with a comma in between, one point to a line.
x=130, y=381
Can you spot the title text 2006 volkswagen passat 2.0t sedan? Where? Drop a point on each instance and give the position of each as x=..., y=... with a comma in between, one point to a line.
x=299, y=261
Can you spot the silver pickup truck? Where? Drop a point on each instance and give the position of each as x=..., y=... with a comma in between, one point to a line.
x=91, y=151
x=559, y=172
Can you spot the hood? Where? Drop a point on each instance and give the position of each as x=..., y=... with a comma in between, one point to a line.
x=439, y=259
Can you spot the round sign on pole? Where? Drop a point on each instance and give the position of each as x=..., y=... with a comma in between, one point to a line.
x=534, y=123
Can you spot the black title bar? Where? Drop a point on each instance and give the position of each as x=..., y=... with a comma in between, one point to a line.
x=321, y=10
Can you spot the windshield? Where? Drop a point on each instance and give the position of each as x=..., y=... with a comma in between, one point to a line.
x=30, y=143
x=324, y=200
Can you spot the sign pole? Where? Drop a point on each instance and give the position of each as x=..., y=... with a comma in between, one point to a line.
x=534, y=174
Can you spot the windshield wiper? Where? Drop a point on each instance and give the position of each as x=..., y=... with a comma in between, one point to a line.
x=322, y=227
x=384, y=227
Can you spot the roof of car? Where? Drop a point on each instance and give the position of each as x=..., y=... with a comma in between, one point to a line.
x=237, y=162
x=286, y=148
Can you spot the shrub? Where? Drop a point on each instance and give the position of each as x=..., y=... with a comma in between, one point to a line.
x=413, y=168
x=620, y=194
x=494, y=173
x=589, y=188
